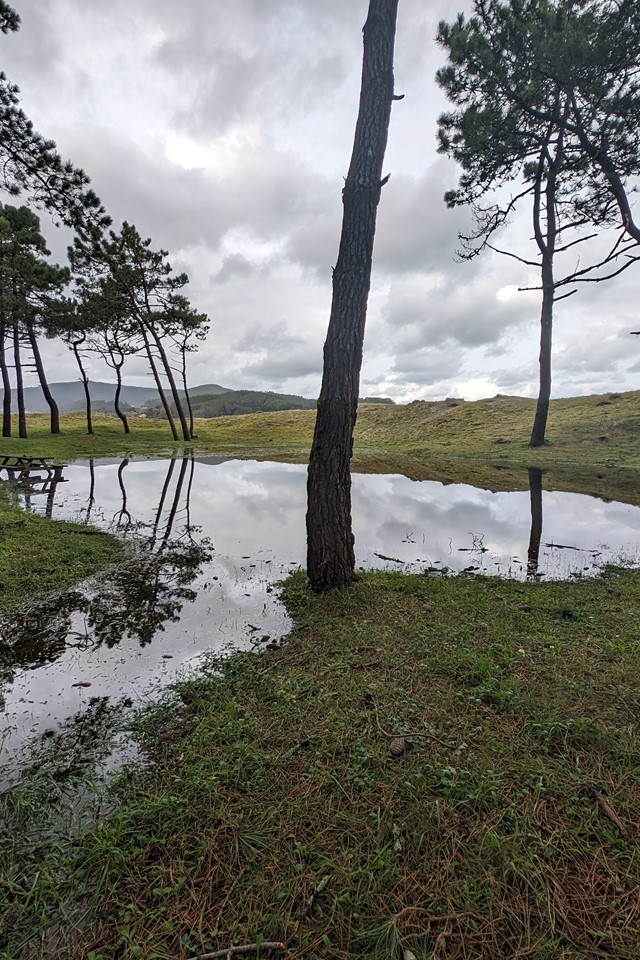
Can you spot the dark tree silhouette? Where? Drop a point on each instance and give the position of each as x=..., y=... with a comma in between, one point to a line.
x=330, y=550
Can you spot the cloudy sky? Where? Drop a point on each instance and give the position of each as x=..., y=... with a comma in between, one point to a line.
x=223, y=131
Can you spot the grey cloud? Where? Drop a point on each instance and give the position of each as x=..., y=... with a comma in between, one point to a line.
x=428, y=364
x=235, y=265
x=292, y=362
x=459, y=307
x=179, y=208
x=415, y=230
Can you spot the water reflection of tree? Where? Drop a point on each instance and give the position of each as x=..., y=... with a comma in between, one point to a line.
x=535, y=496
x=134, y=600
x=140, y=597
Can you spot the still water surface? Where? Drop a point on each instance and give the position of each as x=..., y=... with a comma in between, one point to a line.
x=216, y=536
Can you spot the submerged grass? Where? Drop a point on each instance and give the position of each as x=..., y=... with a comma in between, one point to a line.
x=39, y=556
x=597, y=429
x=269, y=804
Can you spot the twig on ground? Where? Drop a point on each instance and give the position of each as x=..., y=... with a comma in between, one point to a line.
x=230, y=952
x=410, y=733
x=608, y=810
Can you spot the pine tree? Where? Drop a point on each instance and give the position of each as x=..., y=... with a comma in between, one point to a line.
x=527, y=78
x=330, y=550
x=31, y=296
x=30, y=163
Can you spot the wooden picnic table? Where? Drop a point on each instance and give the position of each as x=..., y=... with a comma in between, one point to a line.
x=19, y=460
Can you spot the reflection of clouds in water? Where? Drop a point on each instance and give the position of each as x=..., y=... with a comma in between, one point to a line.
x=254, y=515
x=439, y=519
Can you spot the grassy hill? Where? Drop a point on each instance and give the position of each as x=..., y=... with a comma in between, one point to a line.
x=596, y=429
x=233, y=402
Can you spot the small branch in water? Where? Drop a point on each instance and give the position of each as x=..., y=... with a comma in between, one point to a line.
x=392, y=559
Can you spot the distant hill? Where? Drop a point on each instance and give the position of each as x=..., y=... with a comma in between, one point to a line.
x=208, y=399
x=70, y=395
x=233, y=402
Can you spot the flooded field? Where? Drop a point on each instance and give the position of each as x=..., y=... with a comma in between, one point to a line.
x=212, y=538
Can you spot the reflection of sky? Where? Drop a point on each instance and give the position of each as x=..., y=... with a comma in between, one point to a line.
x=253, y=514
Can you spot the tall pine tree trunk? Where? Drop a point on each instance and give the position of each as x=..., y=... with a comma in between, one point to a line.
x=22, y=417
x=177, y=402
x=156, y=377
x=54, y=413
x=76, y=344
x=117, y=366
x=330, y=548
x=6, y=383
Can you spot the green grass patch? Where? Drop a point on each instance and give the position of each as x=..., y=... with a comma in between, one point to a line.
x=267, y=803
x=40, y=556
x=591, y=430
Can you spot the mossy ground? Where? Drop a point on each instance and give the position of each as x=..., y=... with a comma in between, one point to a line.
x=267, y=803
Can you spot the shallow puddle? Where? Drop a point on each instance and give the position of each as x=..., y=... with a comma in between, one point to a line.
x=215, y=537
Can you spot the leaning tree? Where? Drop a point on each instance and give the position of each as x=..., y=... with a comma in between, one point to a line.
x=532, y=80
x=330, y=545
x=137, y=285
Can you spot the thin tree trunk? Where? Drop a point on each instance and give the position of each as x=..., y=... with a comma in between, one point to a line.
x=22, y=418
x=176, y=502
x=183, y=348
x=546, y=330
x=547, y=247
x=535, y=496
x=116, y=402
x=163, y=495
x=172, y=382
x=85, y=383
x=6, y=384
x=330, y=547
x=156, y=377
x=54, y=413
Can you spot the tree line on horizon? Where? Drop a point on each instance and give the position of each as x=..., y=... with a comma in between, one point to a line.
x=545, y=101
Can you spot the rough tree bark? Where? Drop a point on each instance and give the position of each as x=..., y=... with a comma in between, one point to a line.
x=186, y=435
x=330, y=549
x=6, y=383
x=22, y=416
x=54, y=413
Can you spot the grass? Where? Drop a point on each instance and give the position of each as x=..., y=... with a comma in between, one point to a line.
x=267, y=803
x=39, y=556
x=596, y=430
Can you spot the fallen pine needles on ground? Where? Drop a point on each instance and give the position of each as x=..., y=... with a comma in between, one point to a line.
x=267, y=802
